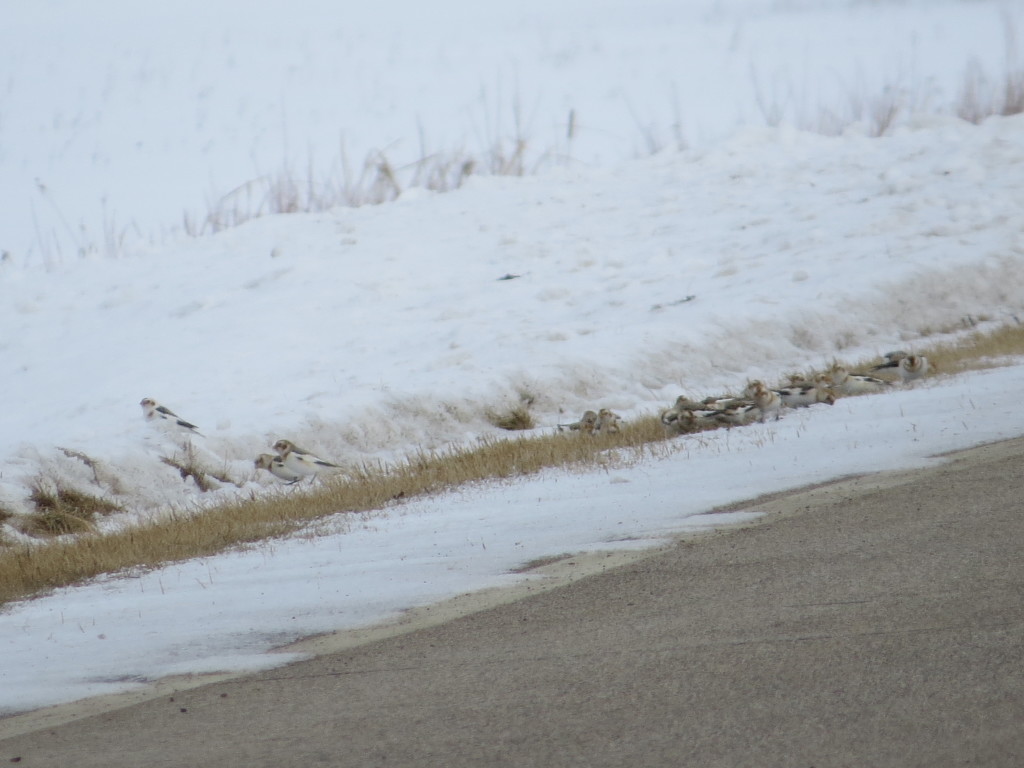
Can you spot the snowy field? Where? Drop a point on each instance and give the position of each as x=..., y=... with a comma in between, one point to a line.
x=120, y=118
x=742, y=250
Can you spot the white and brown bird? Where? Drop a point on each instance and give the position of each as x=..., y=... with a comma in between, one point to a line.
x=275, y=466
x=806, y=394
x=721, y=403
x=164, y=418
x=909, y=367
x=683, y=415
x=678, y=421
x=684, y=403
x=587, y=423
x=767, y=401
x=847, y=383
x=738, y=414
x=752, y=387
x=302, y=462
x=608, y=422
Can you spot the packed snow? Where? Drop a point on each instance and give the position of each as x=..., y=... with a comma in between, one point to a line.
x=742, y=250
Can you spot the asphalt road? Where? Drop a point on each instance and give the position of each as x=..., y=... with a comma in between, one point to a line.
x=874, y=622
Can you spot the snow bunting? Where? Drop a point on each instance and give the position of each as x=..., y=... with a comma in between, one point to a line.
x=722, y=403
x=822, y=380
x=275, y=466
x=302, y=462
x=857, y=383
x=678, y=421
x=735, y=415
x=751, y=388
x=160, y=416
x=910, y=368
x=587, y=424
x=608, y=422
x=683, y=403
x=767, y=401
x=805, y=395
x=688, y=415
x=914, y=367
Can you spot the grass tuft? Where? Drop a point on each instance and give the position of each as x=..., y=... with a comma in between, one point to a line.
x=509, y=153
x=61, y=511
x=980, y=350
x=981, y=98
x=189, y=469
x=189, y=466
x=515, y=419
x=100, y=474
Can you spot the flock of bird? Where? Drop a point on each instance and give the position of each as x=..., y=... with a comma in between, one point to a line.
x=604, y=422
x=290, y=463
x=758, y=402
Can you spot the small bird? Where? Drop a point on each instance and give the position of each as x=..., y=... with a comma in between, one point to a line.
x=678, y=421
x=587, y=424
x=724, y=402
x=805, y=395
x=751, y=388
x=914, y=367
x=857, y=383
x=302, y=462
x=910, y=367
x=767, y=401
x=161, y=416
x=735, y=415
x=275, y=466
x=608, y=422
x=683, y=403
x=821, y=380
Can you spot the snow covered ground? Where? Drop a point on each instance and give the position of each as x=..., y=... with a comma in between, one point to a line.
x=366, y=333
x=224, y=613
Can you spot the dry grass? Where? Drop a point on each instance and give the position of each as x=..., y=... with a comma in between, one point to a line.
x=380, y=179
x=877, y=112
x=62, y=510
x=29, y=570
x=974, y=351
x=189, y=466
x=980, y=350
x=507, y=151
x=981, y=96
x=515, y=419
